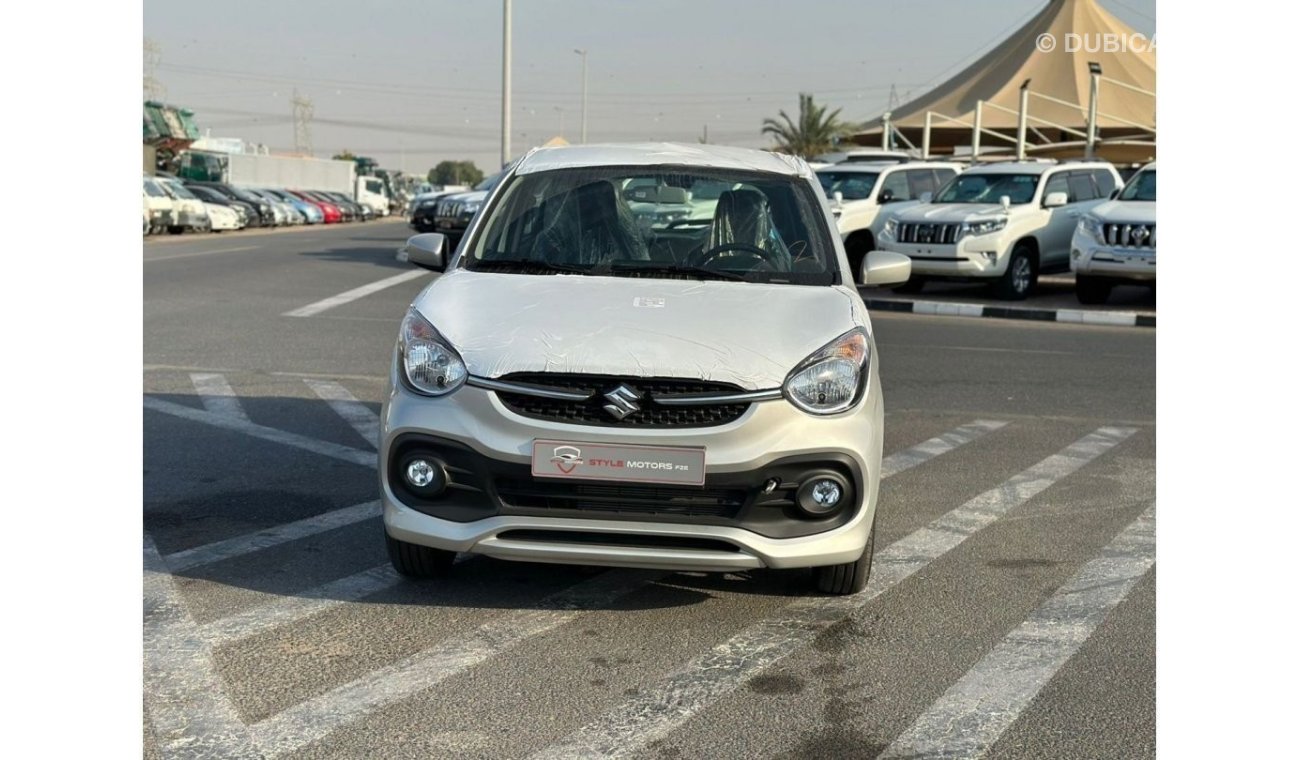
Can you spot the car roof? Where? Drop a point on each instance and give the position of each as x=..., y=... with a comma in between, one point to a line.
x=875, y=167
x=1034, y=167
x=661, y=154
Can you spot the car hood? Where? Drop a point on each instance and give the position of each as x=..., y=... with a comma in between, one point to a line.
x=748, y=334
x=1133, y=212
x=949, y=212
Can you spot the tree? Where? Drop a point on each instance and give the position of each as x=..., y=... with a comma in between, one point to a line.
x=346, y=155
x=815, y=132
x=455, y=173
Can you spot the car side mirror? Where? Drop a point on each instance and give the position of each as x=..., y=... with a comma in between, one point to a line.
x=926, y=197
x=886, y=196
x=1005, y=202
x=838, y=198
x=427, y=251
x=884, y=268
x=1055, y=200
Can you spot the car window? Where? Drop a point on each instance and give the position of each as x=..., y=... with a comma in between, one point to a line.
x=152, y=189
x=178, y=190
x=1081, y=187
x=1142, y=187
x=374, y=186
x=762, y=228
x=895, y=185
x=1105, y=182
x=854, y=186
x=1057, y=183
x=989, y=188
x=920, y=181
x=942, y=177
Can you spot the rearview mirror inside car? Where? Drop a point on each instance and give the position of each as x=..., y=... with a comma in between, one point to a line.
x=885, y=268
x=1055, y=200
x=427, y=251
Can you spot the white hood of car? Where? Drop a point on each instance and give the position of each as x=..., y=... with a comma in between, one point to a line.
x=748, y=334
x=937, y=213
x=1133, y=212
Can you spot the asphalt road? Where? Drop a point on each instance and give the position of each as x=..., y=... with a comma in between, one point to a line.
x=1011, y=612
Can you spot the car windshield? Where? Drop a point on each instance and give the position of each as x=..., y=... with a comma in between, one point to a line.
x=988, y=188
x=179, y=190
x=206, y=194
x=761, y=228
x=854, y=186
x=152, y=188
x=489, y=183
x=1141, y=188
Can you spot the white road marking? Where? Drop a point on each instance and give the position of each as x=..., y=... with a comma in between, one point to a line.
x=190, y=713
x=970, y=717
x=149, y=260
x=263, y=539
x=658, y=709
x=352, y=295
x=217, y=395
x=325, y=448
x=926, y=450
x=362, y=420
x=320, y=716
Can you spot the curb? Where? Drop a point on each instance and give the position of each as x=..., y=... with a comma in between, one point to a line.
x=1070, y=316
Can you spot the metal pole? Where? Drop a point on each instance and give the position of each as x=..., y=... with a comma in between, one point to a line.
x=583, y=53
x=884, y=132
x=979, y=128
x=1094, y=84
x=925, y=136
x=505, y=84
x=1022, y=120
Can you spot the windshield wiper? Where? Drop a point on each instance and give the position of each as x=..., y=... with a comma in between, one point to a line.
x=652, y=268
x=546, y=266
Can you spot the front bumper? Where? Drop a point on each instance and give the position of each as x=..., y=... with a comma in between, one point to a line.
x=771, y=437
x=1118, y=263
x=193, y=219
x=974, y=256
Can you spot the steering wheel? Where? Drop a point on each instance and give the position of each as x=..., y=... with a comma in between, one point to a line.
x=758, y=255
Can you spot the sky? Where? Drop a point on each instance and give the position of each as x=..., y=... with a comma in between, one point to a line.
x=414, y=82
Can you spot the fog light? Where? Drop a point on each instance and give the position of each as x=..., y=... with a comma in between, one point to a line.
x=826, y=493
x=420, y=473
x=823, y=493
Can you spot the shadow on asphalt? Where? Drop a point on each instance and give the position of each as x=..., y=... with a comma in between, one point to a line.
x=382, y=256
x=1053, y=292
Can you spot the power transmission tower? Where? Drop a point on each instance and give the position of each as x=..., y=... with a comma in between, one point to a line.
x=302, y=113
x=153, y=89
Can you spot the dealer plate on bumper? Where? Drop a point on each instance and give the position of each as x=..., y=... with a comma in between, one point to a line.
x=626, y=463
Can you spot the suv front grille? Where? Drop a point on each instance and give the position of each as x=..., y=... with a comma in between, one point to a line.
x=937, y=234
x=591, y=411
x=640, y=499
x=1130, y=235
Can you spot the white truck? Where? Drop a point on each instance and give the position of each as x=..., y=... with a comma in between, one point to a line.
x=256, y=170
x=1003, y=223
x=860, y=191
x=1115, y=243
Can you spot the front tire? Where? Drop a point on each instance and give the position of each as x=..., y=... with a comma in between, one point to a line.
x=850, y=577
x=415, y=561
x=1022, y=274
x=1091, y=290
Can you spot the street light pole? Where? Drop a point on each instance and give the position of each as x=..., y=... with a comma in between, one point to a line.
x=583, y=53
x=505, y=84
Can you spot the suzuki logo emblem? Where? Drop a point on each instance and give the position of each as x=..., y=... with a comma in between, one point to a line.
x=622, y=402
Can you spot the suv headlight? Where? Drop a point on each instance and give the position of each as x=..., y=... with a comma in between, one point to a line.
x=891, y=226
x=1091, y=226
x=471, y=207
x=982, y=227
x=429, y=364
x=833, y=378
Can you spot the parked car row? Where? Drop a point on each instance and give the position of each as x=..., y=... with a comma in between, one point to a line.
x=1003, y=223
x=176, y=206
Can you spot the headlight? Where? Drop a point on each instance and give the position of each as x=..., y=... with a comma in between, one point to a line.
x=471, y=207
x=1091, y=226
x=891, y=226
x=983, y=227
x=832, y=378
x=431, y=366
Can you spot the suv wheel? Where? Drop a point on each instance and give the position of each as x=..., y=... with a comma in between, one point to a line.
x=1022, y=274
x=415, y=561
x=1091, y=290
x=850, y=577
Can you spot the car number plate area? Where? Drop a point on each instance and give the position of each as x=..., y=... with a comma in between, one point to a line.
x=618, y=462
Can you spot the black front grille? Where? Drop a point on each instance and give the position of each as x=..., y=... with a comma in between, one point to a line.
x=621, y=498
x=937, y=234
x=591, y=411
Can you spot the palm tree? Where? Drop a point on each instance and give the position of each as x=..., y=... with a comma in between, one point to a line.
x=814, y=133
